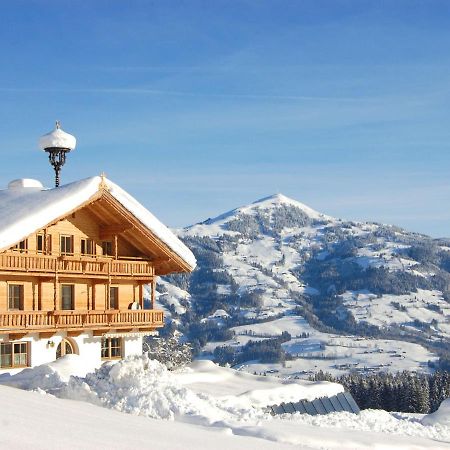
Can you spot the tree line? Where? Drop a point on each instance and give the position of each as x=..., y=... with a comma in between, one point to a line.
x=405, y=391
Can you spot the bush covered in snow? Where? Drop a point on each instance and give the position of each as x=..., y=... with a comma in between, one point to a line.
x=168, y=351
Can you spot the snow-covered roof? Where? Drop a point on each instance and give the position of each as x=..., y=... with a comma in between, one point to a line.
x=220, y=313
x=57, y=138
x=26, y=207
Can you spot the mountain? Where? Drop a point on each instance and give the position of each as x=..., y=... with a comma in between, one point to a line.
x=277, y=266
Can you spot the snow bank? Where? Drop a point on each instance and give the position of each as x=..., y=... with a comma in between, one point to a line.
x=139, y=385
x=251, y=390
x=136, y=385
x=201, y=395
x=49, y=377
x=43, y=422
x=374, y=421
x=441, y=416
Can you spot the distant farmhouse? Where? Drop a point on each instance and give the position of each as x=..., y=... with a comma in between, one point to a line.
x=74, y=261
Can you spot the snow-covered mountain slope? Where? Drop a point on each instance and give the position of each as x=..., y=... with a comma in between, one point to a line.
x=218, y=224
x=201, y=406
x=278, y=257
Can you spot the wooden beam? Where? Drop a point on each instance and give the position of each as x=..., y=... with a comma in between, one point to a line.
x=141, y=295
x=47, y=334
x=94, y=289
x=39, y=295
x=161, y=260
x=55, y=292
x=108, y=288
x=99, y=332
x=16, y=336
x=74, y=333
x=108, y=231
x=33, y=289
x=153, y=297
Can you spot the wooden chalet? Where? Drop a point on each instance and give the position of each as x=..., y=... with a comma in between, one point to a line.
x=76, y=263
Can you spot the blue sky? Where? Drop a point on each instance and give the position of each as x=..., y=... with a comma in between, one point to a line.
x=196, y=107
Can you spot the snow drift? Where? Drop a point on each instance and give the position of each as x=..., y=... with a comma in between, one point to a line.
x=441, y=416
x=139, y=385
x=208, y=395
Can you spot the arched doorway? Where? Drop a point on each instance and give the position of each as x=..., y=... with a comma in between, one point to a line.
x=66, y=347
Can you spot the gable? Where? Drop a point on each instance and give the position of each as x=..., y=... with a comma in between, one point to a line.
x=25, y=211
x=115, y=220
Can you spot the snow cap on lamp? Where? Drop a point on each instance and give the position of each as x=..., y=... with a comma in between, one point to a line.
x=57, y=138
x=57, y=144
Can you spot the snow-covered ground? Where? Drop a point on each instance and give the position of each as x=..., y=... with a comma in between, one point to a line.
x=425, y=306
x=332, y=353
x=201, y=406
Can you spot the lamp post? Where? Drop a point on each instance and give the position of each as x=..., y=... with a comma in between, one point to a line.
x=57, y=144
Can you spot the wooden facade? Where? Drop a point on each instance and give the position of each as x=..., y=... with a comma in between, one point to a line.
x=85, y=271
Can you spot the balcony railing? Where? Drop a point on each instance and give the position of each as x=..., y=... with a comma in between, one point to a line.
x=35, y=321
x=81, y=265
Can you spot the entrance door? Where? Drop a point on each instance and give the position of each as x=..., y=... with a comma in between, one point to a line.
x=64, y=348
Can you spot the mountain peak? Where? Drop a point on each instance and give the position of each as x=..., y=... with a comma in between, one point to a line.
x=281, y=198
x=266, y=203
x=278, y=199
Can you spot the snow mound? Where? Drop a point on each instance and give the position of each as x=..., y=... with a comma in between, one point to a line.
x=247, y=389
x=441, y=416
x=136, y=385
x=49, y=377
x=201, y=394
x=141, y=386
x=22, y=183
x=372, y=420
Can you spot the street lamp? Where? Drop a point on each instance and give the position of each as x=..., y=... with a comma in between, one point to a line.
x=57, y=144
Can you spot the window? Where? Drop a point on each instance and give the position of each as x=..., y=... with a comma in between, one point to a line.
x=15, y=296
x=44, y=243
x=40, y=243
x=114, y=297
x=64, y=348
x=87, y=247
x=66, y=246
x=14, y=354
x=67, y=296
x=107, y=248
x=21, y=246
x=111, y=348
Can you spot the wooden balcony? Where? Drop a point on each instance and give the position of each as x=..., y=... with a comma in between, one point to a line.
x=101, y=267
x=22, y=322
